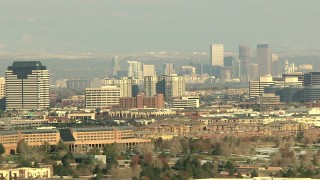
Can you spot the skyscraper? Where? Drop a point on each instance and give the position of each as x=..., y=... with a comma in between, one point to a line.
x=216, y=54
x=168, y=68
x=115, y=65
x=244, y=55
x=135, y=69
x=275, y=65
x=27, y=86
x=264, y=59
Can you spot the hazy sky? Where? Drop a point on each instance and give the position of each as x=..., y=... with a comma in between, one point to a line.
x=130, y=26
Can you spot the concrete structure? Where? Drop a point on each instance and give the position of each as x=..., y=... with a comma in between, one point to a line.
x=102, y=97
x=78, y=83
x=135, y=69
x=168, y=68
x=150, y=85
x=2, y=87
x=244, y=55
x=115, y=66
x=287, y=94
x=253, y=72
x=256, y=88
x=186, y=102
x=27, y=86
x=268, y=99
x=78, y=139
x=141, y=101
x=171, y=86
x=125, y=84
x=148, y=70
x=187, y=70
x=216, y=54
x=275, y=72
x=264, y=59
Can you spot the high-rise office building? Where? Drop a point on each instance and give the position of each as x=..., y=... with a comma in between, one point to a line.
x=275, y=65
x=150, y=84
x=216, y=54
x=244, y=55
x=102, y=97
x=264, y=59
x=236, y=68
x=228, y=61
x=168, y=68
x=256, y=88
x=116, y=66
x=27, y=86
x=253, y=71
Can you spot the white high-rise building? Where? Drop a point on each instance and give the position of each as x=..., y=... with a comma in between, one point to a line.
x=256, y=88
x=216, y=54
x=27, y=86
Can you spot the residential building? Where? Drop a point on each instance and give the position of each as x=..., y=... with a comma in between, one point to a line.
x=150, y=85
x=27, y=86
x=141, y=101
x=171, y=86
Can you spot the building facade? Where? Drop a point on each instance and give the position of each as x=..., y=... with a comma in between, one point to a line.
x=244, y=55
x=216, y=54
x=27, y=86
x=102, y=97
x=150, y=85
x=264, y=59
x=141, y=101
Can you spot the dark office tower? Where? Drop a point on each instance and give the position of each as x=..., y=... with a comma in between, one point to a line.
x=264, y=59
x=244, y=55
x=311, y=79
x=311, y=83
x=115, y=66
x=27, y=86
x=228, y=61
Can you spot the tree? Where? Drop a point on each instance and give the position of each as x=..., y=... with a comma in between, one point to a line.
x=22, y=147
x=45, y=147
x=254, y=174
x=2, y=149
x=36, y=164
x=111, y=151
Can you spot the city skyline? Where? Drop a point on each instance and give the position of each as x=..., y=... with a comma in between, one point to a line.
x=89, y=28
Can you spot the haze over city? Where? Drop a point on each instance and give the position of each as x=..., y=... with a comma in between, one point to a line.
x=160, y=90
x=134, y=26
